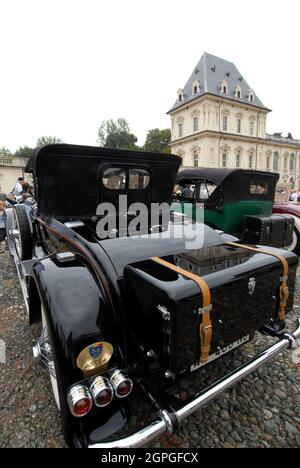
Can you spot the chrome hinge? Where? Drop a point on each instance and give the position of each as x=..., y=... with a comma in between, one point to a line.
x=166, y=315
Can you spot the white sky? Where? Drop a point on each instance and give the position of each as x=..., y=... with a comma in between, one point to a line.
x=66, y=65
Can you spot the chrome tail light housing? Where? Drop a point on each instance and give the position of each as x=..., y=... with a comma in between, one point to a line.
x=101, y=391
x=121, y=383
x=79, y=400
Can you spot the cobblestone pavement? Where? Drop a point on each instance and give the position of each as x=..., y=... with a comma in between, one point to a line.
x=261, y=411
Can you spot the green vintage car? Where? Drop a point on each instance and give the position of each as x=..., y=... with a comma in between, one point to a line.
x=235, y=201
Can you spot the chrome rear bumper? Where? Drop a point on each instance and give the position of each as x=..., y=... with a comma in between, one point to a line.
x=163, y=423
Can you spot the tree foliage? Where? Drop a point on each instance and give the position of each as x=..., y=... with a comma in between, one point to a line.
x=23, y=152
x=47, y=140
x=158, y=140
x=5, y=151
x=116, y=134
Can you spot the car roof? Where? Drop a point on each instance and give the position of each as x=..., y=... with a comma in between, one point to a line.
x=216, y=175
x=68, y=177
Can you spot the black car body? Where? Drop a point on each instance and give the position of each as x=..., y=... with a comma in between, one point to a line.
x=115, y=320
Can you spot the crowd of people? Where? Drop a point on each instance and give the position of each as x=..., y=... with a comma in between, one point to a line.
x=23, y=193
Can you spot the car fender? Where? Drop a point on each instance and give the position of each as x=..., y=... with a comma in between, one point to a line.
x=76, y=310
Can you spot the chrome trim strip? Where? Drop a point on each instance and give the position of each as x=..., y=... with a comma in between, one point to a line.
x=74, y=224
x=159, y=426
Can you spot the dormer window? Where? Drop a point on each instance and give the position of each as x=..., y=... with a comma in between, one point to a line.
x=196, y=87
x=238, y=92
x=180, y=93
x=224, y=87
x=250, y=95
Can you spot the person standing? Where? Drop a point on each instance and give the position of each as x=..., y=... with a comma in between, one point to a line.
x=18, y=188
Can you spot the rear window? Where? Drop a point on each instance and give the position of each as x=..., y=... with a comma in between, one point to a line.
x=114, y=178
x=138, y=179
x=258, y=187
x=118, y=178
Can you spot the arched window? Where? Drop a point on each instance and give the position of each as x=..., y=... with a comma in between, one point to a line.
x=275, y=161
x=195, y=124
x=251, y=157
x=180, y=129
x=196, y=158
x=238, y=157
x=239, y=125
x=292, y=162
x=285, y=162
x=224, y=159
x=268, y=160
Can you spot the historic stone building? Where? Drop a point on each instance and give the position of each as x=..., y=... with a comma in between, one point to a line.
x=11, y=168
x=219, y=121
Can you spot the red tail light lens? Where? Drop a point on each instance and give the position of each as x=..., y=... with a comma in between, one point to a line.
x=79, y=400
x=102, y=392
x=121, y=383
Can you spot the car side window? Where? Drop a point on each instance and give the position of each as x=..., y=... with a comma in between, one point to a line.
x=205, y=190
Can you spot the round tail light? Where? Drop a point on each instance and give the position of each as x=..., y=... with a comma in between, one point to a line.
x=121, y=383
x=102, y=392
x=79, y=400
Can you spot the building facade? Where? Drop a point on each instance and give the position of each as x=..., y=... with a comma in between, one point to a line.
x=10, y=169
x=218, y=121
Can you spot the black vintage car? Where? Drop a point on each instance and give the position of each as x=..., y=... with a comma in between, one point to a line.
x=123, y=312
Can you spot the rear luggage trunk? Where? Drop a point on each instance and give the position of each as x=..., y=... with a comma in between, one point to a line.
x=165, y=312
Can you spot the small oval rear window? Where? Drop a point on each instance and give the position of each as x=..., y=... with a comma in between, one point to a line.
x=259, y=187
x=114, y=178
x=120, y=178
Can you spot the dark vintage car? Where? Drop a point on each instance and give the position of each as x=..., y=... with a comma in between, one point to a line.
x=124, y=315
x=237, y=201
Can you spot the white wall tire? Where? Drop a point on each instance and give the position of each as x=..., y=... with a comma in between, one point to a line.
x=53, y=380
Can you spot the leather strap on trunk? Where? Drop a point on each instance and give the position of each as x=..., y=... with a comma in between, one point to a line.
x=284, y=290
x=206, y=325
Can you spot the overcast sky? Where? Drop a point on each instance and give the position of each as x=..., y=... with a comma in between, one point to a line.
x=66, y=65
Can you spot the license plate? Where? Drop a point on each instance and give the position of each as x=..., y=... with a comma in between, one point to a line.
x=221, y=352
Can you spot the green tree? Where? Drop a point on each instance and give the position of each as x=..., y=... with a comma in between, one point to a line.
x=47, y=140
x=158, y=141
x=5, y=151
x=116, y=134
x=23, y=152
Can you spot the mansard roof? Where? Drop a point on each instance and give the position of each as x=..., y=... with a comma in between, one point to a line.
x=211, y=72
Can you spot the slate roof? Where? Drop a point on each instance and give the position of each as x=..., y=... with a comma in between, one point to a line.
x=211, y=71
